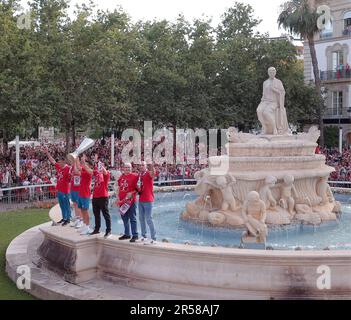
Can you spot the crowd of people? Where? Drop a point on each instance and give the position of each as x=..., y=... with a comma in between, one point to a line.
x=35, y=169
x=341, y=163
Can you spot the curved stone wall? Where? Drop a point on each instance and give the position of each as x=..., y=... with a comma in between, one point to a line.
x=192, y=271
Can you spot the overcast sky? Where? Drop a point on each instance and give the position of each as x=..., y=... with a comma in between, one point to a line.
x=266, y=10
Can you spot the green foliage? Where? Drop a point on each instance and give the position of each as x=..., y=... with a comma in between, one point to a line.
x=99, y=70
x=331, y=135
x=299, y=18
x=12, y=224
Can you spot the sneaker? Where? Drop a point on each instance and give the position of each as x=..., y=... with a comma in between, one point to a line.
x=134, y=239
x=107, y=234
x=62, y=220
x=85, y=231
x=73, y=223
x=150, y=242
x=65, y=223
x=124, y=237
x=76, y=223
x=143, y=239
x=94, y=232
x=79, y=225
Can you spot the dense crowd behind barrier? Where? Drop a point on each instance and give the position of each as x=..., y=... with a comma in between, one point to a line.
x=35, y=169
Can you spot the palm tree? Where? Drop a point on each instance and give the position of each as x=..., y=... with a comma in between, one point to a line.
x=300, y=17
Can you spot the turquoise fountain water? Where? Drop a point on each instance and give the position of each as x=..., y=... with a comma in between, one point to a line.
x=168, y=207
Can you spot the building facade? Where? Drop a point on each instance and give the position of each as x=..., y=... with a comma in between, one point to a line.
x=333, y=48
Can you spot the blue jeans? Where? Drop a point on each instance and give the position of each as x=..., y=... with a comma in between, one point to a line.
x=63, y=199
x=145, y=213
x=130, y=215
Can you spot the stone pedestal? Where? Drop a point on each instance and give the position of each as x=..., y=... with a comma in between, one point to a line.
x=284, y=169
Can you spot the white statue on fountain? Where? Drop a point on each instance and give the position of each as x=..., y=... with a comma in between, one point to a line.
x=271, y=111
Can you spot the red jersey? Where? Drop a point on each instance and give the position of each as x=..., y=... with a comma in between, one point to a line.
x=85, y=184
x=75, y=181
x=101, y=184
x=63, y=178
x=147, y=187
x=127, y=183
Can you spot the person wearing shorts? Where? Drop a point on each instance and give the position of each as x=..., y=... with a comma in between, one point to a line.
x=86, y=172
x=75, y=186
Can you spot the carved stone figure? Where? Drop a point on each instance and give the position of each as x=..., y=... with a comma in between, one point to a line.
x=324, y=191
x=288, y=194
x=254, y=215
x=271, y=111
x=312, y=135
x=225, y=183
x=266, y=193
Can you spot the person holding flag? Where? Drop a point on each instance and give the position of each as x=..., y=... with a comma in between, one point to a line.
x=126, y=198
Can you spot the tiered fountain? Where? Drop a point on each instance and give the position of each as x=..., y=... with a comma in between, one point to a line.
x=273, y=178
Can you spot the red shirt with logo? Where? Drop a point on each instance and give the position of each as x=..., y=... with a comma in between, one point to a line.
x=85, y=184
x=101, y=184
x=127, y=183
x=63, y=178
x=75, y=181
x=147, y=187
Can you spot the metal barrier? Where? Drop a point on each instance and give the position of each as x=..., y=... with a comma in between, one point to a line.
x=340, y=184
x=47, y=192
x=27, y=195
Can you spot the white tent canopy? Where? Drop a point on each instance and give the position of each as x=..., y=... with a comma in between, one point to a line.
x=24, y=143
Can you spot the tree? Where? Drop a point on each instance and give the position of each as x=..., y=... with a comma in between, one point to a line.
x=17, y=75
x=300, y=18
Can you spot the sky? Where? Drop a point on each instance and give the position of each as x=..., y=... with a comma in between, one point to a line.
x=266, y=10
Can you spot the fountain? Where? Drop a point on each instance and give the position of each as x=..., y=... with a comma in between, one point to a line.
x=266, y=182
x=290, y=179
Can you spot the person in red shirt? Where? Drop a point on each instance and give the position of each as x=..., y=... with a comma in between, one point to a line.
x=86, y=172
x=62, y=185
x=146, y=199
x=126, y=198
x=100, y=197
x=75, y=186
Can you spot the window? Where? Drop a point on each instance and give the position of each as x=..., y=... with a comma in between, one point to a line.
x=336, y=109
x=338, y=59
x=327, y=32
x=347, y=23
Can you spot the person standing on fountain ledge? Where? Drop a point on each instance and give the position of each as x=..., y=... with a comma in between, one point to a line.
x=86, y=172
x=100, y=197
x=63, y=180
x=75, y=185
x=126, y=198
x=146, y=199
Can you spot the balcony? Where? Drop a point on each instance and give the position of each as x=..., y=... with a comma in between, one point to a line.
x=336, y=76
x=347, y=32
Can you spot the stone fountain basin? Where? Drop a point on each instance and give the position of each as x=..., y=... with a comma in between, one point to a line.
x=178, y=270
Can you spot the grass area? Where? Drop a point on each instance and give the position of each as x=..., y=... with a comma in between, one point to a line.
x=12, y=224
